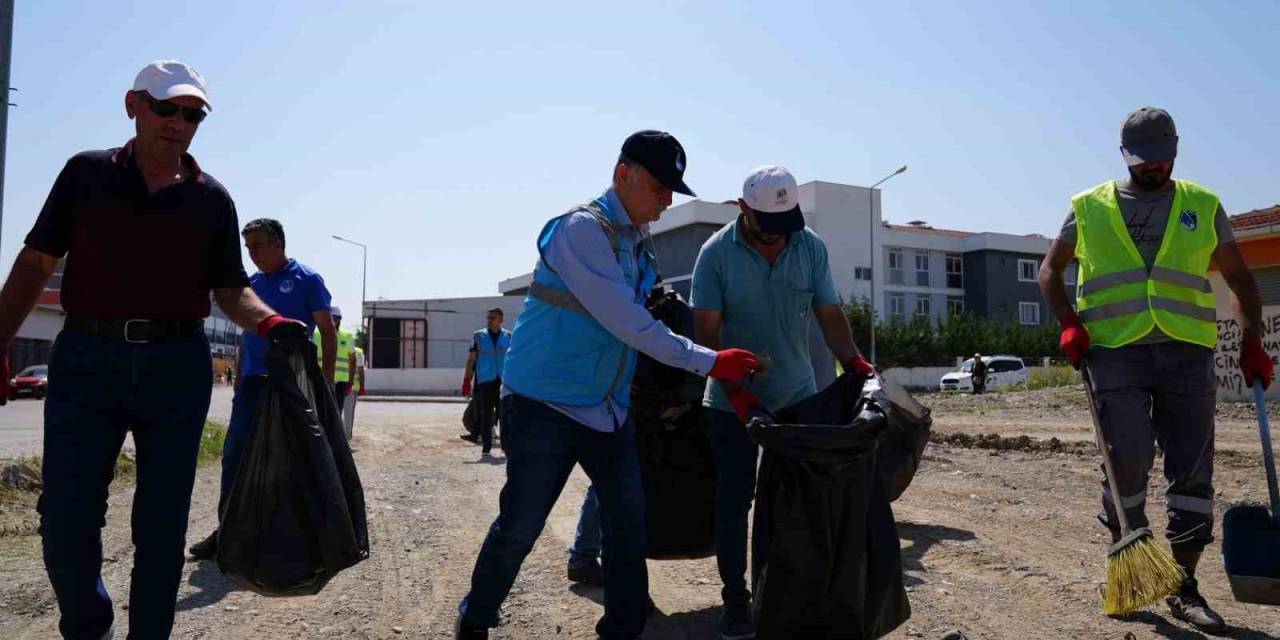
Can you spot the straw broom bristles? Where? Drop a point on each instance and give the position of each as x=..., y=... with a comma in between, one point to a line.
x=1139, y=573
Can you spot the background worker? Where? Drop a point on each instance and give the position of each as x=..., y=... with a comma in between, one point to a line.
x=978, y=374
x=129, y=357
x=344, y=361
x=1145, y=325
x=567, y=385
x=297, y=292
x=755, y=283
x=484, y=362
x=357, y=390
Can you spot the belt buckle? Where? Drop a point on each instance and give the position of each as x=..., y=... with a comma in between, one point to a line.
x=127, y=323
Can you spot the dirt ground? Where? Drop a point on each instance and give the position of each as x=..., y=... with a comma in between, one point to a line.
x=998, y=537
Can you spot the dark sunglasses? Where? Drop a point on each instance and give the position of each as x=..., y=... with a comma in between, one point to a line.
x=166, y=109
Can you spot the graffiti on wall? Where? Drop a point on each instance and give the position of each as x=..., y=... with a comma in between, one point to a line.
x=1226, y=358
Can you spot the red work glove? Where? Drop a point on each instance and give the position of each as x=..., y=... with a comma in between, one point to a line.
x=1255, y=363
x=4, y=379
x=278, y=326
x=466, y=387
x=1074, y=340
x=361, y=392
x=860, y=366
x=734, y=364
x=745, y=403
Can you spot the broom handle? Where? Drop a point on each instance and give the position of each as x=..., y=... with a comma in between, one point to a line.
x=1106, y=454
x=1268, y=460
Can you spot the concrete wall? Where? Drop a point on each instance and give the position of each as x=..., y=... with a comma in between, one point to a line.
x=844, y=216
x=677, y=250
x=42, y=324
x=993, y=288
x=917, y=377
x=429, y=382
x=450, y=323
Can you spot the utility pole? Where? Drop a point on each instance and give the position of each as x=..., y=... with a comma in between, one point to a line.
x=6, y=51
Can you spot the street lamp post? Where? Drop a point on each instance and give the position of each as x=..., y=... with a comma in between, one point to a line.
x=364, y=273
x=871, y=242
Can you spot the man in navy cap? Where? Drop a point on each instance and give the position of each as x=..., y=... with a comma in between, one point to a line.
x=567, y=384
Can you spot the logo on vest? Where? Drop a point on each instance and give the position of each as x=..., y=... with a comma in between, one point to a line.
x=1189, y=219
x=286, y=286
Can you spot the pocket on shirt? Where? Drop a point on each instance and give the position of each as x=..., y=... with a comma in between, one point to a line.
x=797, y=304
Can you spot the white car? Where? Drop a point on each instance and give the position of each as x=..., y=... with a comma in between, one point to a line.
x=1003, y=372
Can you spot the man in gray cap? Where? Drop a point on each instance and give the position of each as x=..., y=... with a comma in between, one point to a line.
x=1144, y=304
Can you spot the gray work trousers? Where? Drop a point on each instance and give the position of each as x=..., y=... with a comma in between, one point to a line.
x=1164, y=394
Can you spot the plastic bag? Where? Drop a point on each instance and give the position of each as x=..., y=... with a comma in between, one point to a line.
x=676, y=466
x=295, y=516
x=826, y=562
x=906, y=434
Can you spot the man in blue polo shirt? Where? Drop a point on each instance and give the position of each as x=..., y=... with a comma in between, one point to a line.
x=295, y=291
x=754, y=285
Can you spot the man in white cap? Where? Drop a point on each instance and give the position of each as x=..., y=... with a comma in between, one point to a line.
x=754, y=285
x=147, y=236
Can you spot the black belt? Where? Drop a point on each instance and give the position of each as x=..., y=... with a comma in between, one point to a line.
x=137, y=331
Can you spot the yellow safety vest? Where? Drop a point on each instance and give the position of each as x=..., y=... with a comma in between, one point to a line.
x=346, y=342
x=1119, y=299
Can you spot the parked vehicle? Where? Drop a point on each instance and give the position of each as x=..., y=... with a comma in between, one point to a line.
x=31, y=382
x=1003, y=372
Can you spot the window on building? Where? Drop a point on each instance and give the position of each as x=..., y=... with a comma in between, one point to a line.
x=955, y=271
x=895, y=266
x=862, y=273
x=955, y=306
x=399, y=343
x=1028, y=271
x=922, y=269
x=897, y=307
x=1029, y=312
x=922, y=307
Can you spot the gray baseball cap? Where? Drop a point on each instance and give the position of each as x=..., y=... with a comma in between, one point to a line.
x=1148, y=135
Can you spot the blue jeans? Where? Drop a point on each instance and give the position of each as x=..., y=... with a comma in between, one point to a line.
x=542, y=447
x=98, y=390
x=735, y=455
x=244, y=407
x=586, y=543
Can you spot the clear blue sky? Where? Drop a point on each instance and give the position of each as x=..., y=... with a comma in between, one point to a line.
x=445, y=134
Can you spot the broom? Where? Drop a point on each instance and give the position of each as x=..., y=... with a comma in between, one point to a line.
x=1139, y=570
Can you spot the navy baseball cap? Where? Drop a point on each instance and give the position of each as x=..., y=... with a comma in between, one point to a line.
x=1148, y=135
x=661, y=154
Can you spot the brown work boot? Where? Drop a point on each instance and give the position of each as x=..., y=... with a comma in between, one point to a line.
x=1189, y=606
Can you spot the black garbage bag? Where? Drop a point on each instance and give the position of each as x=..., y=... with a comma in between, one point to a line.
x=676, y=466
x=470, y=417
x=906, y=432
x=295, y=516
x=826, y=562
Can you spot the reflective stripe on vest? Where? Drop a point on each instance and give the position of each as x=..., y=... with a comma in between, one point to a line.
x=1119, y=299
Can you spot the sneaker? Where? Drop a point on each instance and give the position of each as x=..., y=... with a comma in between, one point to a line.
x=1189, y=606
x=205, y=549
x=586, y=572
x=464, y=631
x=736, y=622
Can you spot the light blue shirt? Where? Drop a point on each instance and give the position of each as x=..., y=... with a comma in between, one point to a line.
x=765, y=309
x=580, y=253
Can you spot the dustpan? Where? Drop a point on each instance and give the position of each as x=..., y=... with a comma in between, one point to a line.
x=1251, y=533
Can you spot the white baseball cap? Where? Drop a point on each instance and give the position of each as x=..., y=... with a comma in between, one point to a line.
x=166, y=79
x=335, y=312
x=771, y=192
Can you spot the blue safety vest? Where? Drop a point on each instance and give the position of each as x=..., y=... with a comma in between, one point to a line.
x=559, y=353
x=490, y=354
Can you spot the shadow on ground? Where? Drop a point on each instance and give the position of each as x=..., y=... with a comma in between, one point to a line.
x=922, y=537
x=211, y=587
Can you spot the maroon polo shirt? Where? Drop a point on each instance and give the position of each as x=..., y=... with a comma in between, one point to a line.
x=135, y=254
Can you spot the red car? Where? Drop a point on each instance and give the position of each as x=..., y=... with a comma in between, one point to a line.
x=31, y=382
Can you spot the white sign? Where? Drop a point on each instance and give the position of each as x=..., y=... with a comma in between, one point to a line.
x=1226, y=358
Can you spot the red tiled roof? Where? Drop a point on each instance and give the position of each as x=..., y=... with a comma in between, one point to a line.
x=1256, y=218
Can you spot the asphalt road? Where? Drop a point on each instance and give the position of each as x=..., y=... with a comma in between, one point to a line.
x=22, y=423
